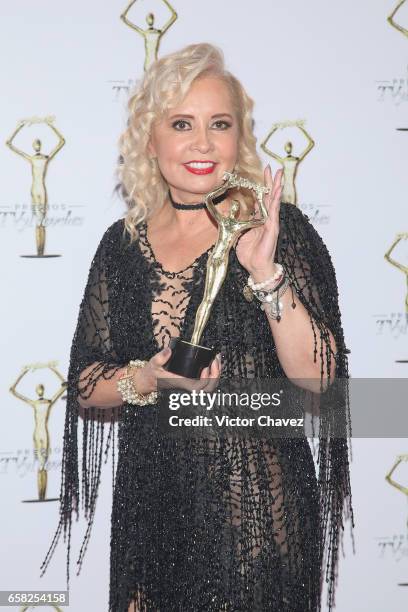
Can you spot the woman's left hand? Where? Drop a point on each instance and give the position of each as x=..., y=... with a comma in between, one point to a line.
x=256, y=248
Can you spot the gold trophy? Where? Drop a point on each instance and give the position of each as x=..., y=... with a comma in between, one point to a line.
x=290, y=163
x=394, y=24
x=404, y=269
x=42, y=408
x=39, y=166
x=188, y=358
x=151, y=35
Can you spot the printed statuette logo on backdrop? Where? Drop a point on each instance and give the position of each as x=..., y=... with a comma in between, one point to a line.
x=21, y=462
x=398, y=265
x=26, y=608
x=42, y=408
x=395, y=323
x=397, y=544
x=289, y=162
x=39, y=166
x=152, y=35
x=395, y=89
x=394, y=483
x=392, y=21
x=290, y=165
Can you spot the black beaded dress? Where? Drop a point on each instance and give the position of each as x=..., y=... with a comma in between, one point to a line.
x=244, y=525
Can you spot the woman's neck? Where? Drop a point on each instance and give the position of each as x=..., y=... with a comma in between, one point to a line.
x=181, y=221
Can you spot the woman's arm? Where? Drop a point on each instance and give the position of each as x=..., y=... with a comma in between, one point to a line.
x=105, y=393
x=94, y=363
x=308, y=337
x=305, y=335
x=295, y=338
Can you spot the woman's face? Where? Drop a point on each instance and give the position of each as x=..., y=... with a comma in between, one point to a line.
x=197, y=141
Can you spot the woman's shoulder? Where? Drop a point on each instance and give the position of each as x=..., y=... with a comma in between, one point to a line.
x=114, y=230
x=293, y=221
x=113, y=235
x=118, y=231
x=291, y=212
x=110, y=240
x=117, y=245
x=299, y=243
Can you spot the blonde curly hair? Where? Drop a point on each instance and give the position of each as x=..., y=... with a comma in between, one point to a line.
x=165, y=84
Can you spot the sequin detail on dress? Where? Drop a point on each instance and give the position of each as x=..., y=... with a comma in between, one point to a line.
x=200, y=525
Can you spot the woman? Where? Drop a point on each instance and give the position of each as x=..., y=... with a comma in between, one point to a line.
x=244, y=525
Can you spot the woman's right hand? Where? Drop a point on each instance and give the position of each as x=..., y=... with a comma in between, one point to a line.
x=145, y=378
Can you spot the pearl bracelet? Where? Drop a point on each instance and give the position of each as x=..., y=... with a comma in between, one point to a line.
x=127, y=389
x=251, y=288
x=256, y=286
x=269, y=297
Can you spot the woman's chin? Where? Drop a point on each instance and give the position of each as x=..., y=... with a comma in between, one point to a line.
x=204, y=184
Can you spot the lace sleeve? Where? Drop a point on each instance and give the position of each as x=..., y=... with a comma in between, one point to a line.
x=92, y=343
x=92, y=350
x=308, y=263
x=310, y=268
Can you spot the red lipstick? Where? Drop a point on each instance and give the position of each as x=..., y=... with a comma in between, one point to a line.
x=200, y=166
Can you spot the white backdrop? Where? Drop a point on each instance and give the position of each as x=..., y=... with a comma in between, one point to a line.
x=342, y=68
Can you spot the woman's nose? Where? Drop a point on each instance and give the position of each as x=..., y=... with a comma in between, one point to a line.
x=202, y=141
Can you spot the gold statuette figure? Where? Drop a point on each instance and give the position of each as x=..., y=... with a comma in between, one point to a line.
x=394, y=24
x=189, y=358
x=42, y=408
x=39, y=166
x=290, y=163
x=151, y=35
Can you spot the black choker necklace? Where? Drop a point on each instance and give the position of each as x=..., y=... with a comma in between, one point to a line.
x=195, y=206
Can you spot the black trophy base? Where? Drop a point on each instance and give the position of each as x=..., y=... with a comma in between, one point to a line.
x=39, y=256
x=188, y=359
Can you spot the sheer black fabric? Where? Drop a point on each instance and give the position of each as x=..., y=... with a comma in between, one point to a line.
x=231, y=524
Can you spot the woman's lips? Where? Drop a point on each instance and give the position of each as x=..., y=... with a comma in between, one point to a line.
x=196, y=167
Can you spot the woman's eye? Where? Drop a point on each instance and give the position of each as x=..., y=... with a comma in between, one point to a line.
x=180, y=124
x=222, y=125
